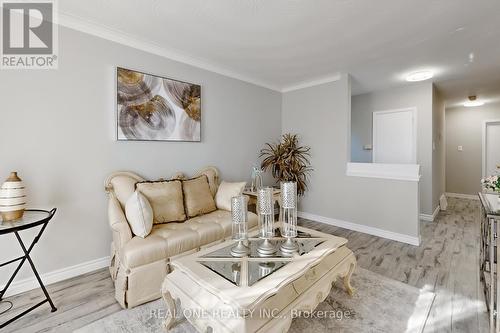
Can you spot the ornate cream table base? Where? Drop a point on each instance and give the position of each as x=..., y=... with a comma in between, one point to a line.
x=246, y=295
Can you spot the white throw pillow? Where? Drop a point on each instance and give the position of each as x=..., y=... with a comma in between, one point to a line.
x=225, y=192
x=139, y=214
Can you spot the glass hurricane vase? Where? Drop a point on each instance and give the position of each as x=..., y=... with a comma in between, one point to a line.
x=239, y=216
x=265, y=209
x=288, y=215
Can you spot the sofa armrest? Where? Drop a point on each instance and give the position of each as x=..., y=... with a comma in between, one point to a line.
x=118, y=223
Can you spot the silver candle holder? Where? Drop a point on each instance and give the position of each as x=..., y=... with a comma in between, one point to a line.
x=265, y=205
x=239, y=215
x=289, y=217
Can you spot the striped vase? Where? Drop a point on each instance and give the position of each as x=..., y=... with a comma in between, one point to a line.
x=12, y=198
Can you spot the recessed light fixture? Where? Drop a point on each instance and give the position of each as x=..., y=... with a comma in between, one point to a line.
x=473, y=101
x=419, y=76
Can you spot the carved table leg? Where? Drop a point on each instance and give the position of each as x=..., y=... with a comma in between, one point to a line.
x=347, y=280
x=171, y=314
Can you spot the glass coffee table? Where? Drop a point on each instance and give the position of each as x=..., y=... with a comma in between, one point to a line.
x=256, y=293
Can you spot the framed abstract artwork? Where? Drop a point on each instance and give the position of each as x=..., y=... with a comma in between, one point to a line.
x=154, y=108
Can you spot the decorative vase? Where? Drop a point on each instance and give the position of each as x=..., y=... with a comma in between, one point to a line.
x=239, y=215
x=256, y=179
x=289, y=216
x=12, y=198
x=265, y=208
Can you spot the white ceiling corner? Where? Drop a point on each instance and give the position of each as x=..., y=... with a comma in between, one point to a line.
x=102, y=31
x=286, y=45
x=311, y=83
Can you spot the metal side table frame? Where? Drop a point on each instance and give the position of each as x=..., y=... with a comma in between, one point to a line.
x=31, y=219
x=489, y=255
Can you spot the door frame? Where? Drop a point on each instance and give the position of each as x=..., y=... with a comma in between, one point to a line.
x=413, y=111
x=485, y=125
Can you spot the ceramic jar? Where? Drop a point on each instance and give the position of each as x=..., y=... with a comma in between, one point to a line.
x=12, y=198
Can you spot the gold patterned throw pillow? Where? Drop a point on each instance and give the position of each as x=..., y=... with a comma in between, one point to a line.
x=165, y=198
x=198, y=199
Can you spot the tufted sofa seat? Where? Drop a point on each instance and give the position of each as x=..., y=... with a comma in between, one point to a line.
x=172, y=239
x=139, y=265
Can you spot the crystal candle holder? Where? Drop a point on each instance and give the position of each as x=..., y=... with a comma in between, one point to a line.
x=265, y=209
x=239, y=215
x=289, y=216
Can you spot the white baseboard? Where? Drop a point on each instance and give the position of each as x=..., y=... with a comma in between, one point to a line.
x=21, y=286
x=463, y=196
x=362, y=228
x=429, y=217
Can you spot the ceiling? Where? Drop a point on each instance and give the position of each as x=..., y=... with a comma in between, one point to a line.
x=282, y=44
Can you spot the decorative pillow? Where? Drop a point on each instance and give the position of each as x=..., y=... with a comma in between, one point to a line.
x=212, y=176
x=197, y=196
x=139, y=214
x=166, y=199
x=225, y=192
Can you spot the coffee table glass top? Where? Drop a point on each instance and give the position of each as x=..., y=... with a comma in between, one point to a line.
x=257, y=270
x=305, y=246
x=229, y=270
x=254, y=266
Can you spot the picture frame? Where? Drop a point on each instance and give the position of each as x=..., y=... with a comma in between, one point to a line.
x=150, y=107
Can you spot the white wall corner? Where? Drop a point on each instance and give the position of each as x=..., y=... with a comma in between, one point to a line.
x=31, y=283
x=430, y=217
x=412, y=240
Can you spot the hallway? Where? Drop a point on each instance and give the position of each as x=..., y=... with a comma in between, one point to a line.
x=446, y=262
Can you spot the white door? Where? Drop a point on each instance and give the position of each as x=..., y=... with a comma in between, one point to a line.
x=492, y=148
x=394, y=136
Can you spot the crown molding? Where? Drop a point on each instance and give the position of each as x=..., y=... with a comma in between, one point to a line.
x=312, y=83
x=117, y=36
x=102, y=31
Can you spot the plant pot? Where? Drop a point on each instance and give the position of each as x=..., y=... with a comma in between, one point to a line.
x=12, y=198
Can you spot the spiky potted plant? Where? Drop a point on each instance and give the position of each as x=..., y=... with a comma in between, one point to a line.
x=288, y=161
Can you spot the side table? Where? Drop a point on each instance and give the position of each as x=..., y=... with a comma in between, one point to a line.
x=32, y=218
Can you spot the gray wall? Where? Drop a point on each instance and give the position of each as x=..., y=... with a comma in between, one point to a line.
x=325, y=127
x=438, y=147
x=58, y=131
x=464, y=128
x=417, y=95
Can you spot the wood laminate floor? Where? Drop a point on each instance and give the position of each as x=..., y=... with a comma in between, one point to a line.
x=446, y=262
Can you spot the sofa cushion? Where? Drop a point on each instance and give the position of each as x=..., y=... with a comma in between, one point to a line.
x=166, y=198
x=213, y=178
x=225, y=192
x=170, y=239
x=189, y=235
x=141, y=251
x=222, y=218
x=197, y=196
x=139, y=214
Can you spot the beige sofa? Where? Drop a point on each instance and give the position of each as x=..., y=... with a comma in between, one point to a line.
x=139, y=265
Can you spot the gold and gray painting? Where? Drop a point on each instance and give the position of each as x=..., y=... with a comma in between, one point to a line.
x=157, y=109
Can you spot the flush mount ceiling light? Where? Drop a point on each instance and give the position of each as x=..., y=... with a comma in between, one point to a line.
x=419, y=76
x=473, y=102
